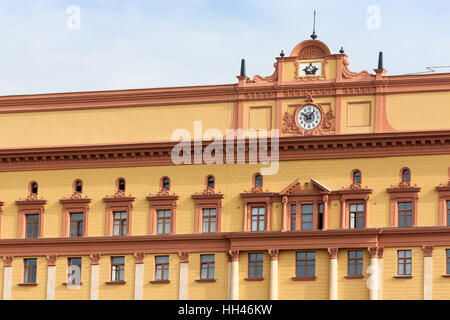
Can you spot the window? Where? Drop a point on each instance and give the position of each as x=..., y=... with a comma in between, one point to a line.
x=30, y=266
x=406, y=175
x=211, y=182
x=121, y=185
x=448, y=261
x=293, y=217
x=209, y=220
x=448, y=213
x=355, y=263
x=119, y=223
x=255, y=265
x=404, y=262
x=320, y=217
x=307, y=216
x=32, y=228
x=162, y=268
x=357, y=216
x=357, y=177
x=405, y=214
x=117, y=269
x=258, y=218
x=207, y=267
x=306, y=264
x=76, y=224
x=78, y=186
x=33, y=188
x=258, y=181
x=163, y=221
x=74, y=271
x=165, y=183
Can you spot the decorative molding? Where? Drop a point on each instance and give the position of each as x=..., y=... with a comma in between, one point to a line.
x=347, y=74
x=95, y=258
x=326, y=127
x=274, y=254
x=233, y=255
x=118, y=202
x=380, y=253
x=76, y=203
x=267, y=80
x=164, y=200
x=209, y=199
x=51, y=260
x=184, y=257
x=405, y=192
x=333, y=252
x=311, y=49
x=31, y=205
x=139, y=257
x=321, y=77
x=428, y=251
x=373, y=252
x=7, y=261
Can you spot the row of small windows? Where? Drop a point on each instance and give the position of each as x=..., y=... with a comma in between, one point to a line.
x=405, y=176
x=305, y=267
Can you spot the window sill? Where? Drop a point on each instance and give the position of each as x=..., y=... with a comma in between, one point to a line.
x=28, y=284
x=254, y=279
x=115, y=283
x=403, y=277
x=304, y=278
x=206, y=281
x=72, y=284
x=354, y=277
x=446, y=276
x=160, y=282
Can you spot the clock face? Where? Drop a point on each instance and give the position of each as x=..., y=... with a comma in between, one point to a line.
x=309, y=117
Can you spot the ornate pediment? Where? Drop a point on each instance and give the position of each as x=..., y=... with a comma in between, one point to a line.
x=404, y=186
x=75, y=197
x=119, y=195
x=294, y=187
x=347, y=74
x=208, y=193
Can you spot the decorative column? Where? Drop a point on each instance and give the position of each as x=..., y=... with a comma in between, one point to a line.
x=284, y=222
x=326, y=213
x=233, y=256
x=380, y=273
x=333, y=273
x=95, y=272
x=343, y=214
x=428, y=272
x=274, y=253
x=7, y=277
x=138, y=275
x=373, y=282
x=51, y=275
x=184, y=268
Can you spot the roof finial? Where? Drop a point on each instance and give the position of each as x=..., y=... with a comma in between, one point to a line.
x=380, y=60
x=314, y=35
x=243, y=73
x=282, y=54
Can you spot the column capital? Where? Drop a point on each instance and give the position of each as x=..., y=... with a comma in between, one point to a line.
x=373, y=252
x=7, y=261
x=139, y=257
x=51, y=260
x=233, y=255
x=428, y=251
x=274, y=254
x=333, y=252
x=184, y=257
x=380, y=252
x=95, y=258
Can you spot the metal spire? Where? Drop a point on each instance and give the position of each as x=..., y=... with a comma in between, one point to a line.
x=380, y=60
x=243, y=71
x=314, y=35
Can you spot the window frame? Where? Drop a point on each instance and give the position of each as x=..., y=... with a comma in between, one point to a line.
x=68, y=268
x=357, y=203
x=35, y=230
x=208, y=264
x=25, y=280
x=163, y=268
x=121, y=221
x=399, y=260
x=259, y=216
x=354, y=263
x=121, y=269
x=158, y=219
x=77, y=227
x=305, y=277
x=259, y=261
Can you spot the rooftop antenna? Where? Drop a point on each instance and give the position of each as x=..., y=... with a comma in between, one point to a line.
x=314, y=35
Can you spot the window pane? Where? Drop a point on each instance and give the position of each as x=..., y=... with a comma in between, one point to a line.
x=307, y=208
x=162, y=259
x=208, y=258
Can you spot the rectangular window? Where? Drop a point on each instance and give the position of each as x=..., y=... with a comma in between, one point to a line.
x=162, y=268
x=258, y=218
x=355, y=263
x=448, y=261
x=404, y=262
x=164, y=218
x=306, y=264
x=76, y=224
x=357, y=216
x=307, y=216
x=293, y=216
x=120, y=223
x=207, y=267
x=405, y=214
x=32, y=226
x=74, y=271
x=448, y=213
x=209, y=220
x=117, y=269
x=255, y=265
x=30, y=266
x=320, y=217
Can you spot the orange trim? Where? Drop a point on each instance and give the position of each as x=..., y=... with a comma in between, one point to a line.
x=74, y=205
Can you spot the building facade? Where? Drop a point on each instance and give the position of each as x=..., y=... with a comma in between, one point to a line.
x=94, y=207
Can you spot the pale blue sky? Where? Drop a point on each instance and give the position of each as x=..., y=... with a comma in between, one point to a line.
x=149, y=43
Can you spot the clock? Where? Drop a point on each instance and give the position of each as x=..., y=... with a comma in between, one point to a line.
x=309, y=117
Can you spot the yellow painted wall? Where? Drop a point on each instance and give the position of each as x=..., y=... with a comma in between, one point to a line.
x=418, y=111
x=29, y=293
x=63, y=292
x=404, y=289
x=100, y=126
x=208, y=291
x=116, y=292
x=253, y=290
x=441, y=285
x=161, y=291
x=352, y=289
x=358, y=114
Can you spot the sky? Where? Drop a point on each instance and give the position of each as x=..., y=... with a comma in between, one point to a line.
x=47, y=47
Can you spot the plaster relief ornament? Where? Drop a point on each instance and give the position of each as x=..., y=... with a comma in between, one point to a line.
x=311, y=69
x=309, y=120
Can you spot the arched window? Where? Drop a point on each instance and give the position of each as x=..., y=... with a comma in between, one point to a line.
x=406, y=175
x=165, y=183
x=121, y=185
x=357, y=177
x=210, y=182
x=78, y=186
x=258, y=180
x=33, y=188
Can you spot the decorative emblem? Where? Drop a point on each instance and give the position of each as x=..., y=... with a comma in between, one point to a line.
x=309, y=120
x=311, y=70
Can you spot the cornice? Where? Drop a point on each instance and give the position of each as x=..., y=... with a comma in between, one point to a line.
x=290, y=149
